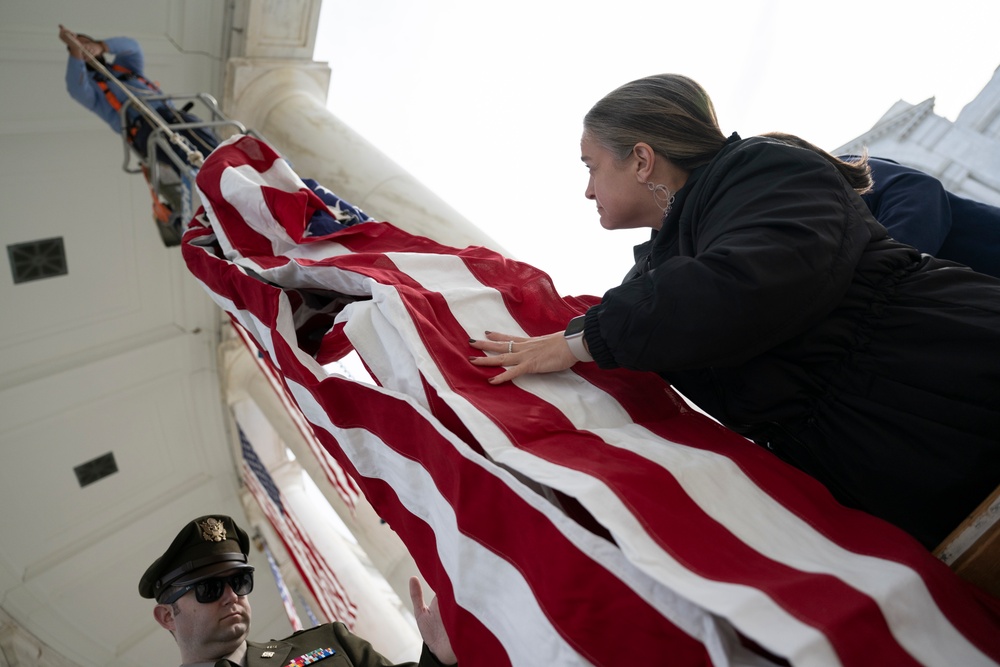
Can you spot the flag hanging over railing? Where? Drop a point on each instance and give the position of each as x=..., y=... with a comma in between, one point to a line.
x=659, y=536
x=342, y=483
x=316, y=573
x=286, y=596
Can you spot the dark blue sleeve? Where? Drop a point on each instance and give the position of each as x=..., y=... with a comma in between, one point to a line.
x=975, y=235
x=909, y=203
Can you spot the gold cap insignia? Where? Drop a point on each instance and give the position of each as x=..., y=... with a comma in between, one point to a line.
x=212, y=530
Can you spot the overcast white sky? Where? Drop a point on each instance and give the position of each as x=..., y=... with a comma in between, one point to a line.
x=483, y=102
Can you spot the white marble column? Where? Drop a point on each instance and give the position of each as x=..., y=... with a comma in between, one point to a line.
x=285, y=101
x=274, y=87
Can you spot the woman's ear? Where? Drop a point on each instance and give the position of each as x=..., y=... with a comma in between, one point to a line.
x=645, y=160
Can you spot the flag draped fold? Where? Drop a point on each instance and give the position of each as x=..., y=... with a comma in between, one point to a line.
x=586, y=517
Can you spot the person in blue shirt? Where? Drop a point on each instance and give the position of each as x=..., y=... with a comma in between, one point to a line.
x=82, y=79
x=122, y=58
x=917, y=209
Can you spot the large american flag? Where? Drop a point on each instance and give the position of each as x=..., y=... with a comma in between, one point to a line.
x=586, y=517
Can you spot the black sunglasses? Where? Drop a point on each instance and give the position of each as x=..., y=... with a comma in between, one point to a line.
x=210, y=590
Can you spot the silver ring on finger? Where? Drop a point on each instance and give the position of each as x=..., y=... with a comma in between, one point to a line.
x=510, y=346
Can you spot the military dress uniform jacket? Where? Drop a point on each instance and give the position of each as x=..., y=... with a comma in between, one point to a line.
x=329, y=645
x=773, y=299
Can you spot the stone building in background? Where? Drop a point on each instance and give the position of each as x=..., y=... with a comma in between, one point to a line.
x=964, y=154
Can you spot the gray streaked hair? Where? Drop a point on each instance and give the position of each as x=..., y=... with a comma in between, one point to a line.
x=670, y=112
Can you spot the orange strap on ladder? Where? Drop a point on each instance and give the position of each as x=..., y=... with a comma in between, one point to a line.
x=115, y=103
x=161, y=212
x=113, y=100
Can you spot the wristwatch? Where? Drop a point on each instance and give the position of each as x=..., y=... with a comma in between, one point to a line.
x=574, y=338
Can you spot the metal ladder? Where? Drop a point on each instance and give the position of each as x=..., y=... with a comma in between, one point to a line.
x=211, y=117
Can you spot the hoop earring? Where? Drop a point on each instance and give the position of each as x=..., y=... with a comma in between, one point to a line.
x=662, y=195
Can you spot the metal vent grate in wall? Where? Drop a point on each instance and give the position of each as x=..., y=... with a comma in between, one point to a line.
x=35, y=260
x=96, y=469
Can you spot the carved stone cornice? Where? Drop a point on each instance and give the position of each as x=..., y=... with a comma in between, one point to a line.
x=20, y=648
x=900, y=124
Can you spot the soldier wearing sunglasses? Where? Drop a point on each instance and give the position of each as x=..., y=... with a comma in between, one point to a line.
x=201, y=584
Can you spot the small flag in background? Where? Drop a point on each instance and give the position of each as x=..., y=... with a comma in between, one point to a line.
x=315, y=572
x=286, y=597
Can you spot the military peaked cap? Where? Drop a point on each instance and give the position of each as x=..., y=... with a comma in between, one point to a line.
x=205, y=547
